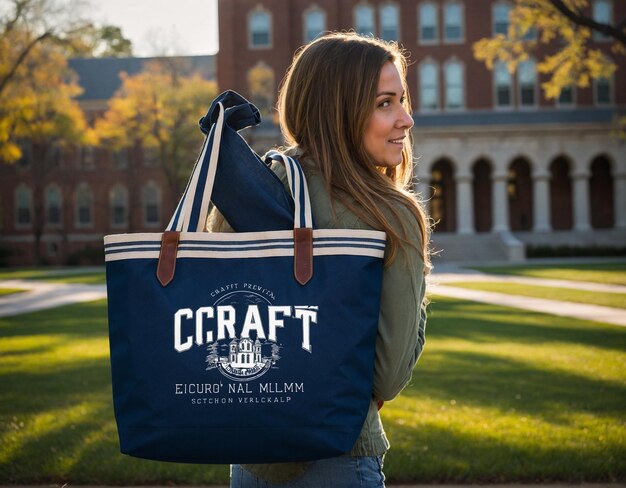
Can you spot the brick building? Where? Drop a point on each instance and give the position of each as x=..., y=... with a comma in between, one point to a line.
x=501, y=165
x=80, y=194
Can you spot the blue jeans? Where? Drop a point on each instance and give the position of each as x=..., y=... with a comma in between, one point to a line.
x=338, y=472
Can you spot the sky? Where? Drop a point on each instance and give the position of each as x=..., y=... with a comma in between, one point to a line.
x=157, y=27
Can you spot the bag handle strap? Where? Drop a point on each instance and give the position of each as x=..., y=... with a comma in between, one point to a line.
x=192, y=210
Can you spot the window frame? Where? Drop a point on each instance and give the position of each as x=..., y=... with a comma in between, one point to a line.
x=450, y=62
x=599, y=36
x=461, y=38
x=511, y=103
x=29, y=195
x=125, y=198
x=260, y=10
x=368, y=6
x=313, y=9
x=494, y=8
x=559, y=104
x=144, y=204
x=520, y=86
x=436, y=39
x=429, y=62
x=611, y=88
x=395, y=6
x=77, y=205
x=59, y=224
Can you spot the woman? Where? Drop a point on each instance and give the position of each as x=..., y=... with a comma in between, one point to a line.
x=345, y=113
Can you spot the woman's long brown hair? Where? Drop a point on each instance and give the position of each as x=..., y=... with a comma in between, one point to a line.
x=324, y=103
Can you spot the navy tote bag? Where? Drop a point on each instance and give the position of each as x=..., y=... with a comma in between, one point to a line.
x=247, y=347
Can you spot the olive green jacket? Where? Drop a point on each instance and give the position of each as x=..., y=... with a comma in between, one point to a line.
x=401, y=326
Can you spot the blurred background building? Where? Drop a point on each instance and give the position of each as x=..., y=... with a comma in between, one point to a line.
x=506, y=172
x=502, y=167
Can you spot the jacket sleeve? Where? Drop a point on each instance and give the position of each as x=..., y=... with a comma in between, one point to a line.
x=402, y=323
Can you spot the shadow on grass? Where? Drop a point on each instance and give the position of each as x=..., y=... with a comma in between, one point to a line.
x=84, y=449
x=83, y=319
x=484, y=323
x=432, y=454
x=481, y=380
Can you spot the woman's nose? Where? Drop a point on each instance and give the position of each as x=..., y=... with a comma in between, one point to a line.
x=405, y=120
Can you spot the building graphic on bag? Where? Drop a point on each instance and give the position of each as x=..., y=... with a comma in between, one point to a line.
x=244, y=360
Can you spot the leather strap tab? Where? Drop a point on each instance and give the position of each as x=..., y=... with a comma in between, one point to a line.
x=167, y=257
x=303, y=254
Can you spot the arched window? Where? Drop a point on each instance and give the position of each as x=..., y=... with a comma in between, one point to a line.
x=390, y=22
x=561, y=208
x=261, y=87
x=314, y=23
x=151, y=196
x=260, y=29
x=53, y=205
x=443, y=198
x=455, y=85
x=23, y=206
x=501, y=20
x=601, y=186
x=503, y=82
x=84, y=206
x=520, y=193
x=428, y=32
x=429, y=85
x=482, y=191
x=527, y=83
x=118, y=204
x=364, y=20
x=453, y=21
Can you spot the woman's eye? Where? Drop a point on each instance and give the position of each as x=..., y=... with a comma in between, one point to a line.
x=384, y=104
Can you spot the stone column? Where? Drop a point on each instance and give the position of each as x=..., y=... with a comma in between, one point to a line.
x=422, y=187
x=619, y=197
x=541, y=201
x=464, y=203
x=581, y=200
x=500, y=201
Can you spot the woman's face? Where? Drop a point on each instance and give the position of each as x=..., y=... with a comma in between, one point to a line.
x=389, y=124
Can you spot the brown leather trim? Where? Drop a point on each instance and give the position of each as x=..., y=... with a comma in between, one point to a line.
x=167, y=257
x=303, y=254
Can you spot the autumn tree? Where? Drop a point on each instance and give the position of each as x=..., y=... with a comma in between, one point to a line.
x=567, y=27
x=99, y=41
x=160, y=108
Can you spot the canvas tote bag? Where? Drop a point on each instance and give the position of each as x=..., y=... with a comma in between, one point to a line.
x=252, y=347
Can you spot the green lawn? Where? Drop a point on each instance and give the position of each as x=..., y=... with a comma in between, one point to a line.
x=10, y=291
x=499, y=395
x=617, y=300
x=61, y=275
x=610, y=273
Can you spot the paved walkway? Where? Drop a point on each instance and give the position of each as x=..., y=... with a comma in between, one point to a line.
x=616, y=316
x=43, y=295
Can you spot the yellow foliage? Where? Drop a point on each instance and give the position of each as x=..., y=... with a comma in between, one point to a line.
x=573, y=62
x=161, y=108
x=38, y=101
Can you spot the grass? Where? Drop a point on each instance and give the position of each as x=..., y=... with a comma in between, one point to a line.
x=617, y=300
x=609, y=273
x=59, y=275
x=499, y=395
x=10, y=291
